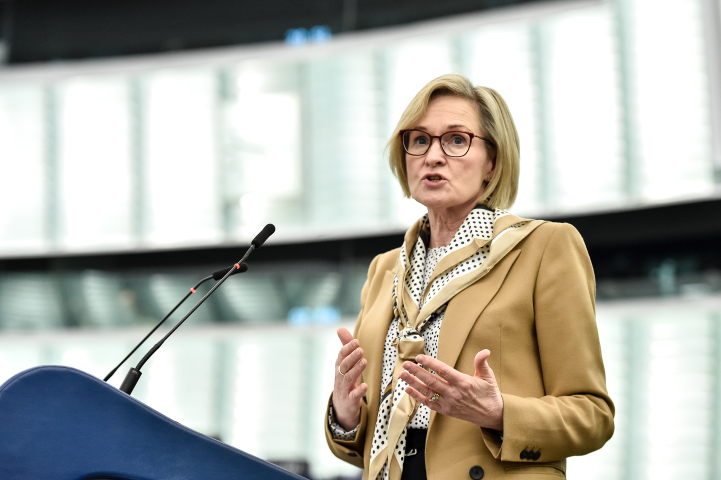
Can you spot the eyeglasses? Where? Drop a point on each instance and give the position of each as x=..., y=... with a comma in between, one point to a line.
x=455, y=143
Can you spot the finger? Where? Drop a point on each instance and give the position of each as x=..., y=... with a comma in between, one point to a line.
x=483, y=370
x=346, y=350
x=355, y=371
x=431, y=381
x=449, y=374
x=352, y=359
x=344, y=335
x=420, y=398
x=357, y=393
x=417, y=384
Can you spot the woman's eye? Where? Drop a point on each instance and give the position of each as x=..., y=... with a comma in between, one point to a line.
x=458, y=140
x=421, y=140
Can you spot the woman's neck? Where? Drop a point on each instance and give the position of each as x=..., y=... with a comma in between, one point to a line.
x=445, y=223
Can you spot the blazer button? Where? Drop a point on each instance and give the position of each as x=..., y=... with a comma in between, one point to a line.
x=537, y=455
x=524, y=454
x=476, y=472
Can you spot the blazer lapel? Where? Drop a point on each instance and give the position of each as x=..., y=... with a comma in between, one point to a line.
x=467, y=306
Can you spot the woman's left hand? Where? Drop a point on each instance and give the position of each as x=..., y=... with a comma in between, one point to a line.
x=475, y=399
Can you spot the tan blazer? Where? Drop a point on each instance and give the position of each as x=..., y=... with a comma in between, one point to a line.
x=535, y=312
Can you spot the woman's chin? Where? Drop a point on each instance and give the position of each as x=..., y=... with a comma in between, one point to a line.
x=438, y=203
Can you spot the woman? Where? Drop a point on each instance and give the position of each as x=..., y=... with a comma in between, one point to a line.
x=476, y=352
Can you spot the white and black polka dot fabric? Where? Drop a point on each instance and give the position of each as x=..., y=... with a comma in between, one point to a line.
x=478, y=224
x=390, y=356
x=339, y=433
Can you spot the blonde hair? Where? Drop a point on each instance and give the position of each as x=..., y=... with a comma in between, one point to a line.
x=496, y=124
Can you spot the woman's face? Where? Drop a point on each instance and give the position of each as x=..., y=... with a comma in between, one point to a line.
x=441, y=182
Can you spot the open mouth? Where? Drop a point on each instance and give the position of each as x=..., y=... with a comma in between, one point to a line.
x=433, y=178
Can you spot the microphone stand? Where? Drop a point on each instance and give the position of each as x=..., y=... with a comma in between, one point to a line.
x=131, y=379
x=192, y=291
x=215, y=276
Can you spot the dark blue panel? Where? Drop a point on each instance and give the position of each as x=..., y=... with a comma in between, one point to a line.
x=61, y=423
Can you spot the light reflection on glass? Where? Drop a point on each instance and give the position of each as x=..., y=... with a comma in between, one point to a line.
x=180, y=157
x=23, y=185
x=95, y=162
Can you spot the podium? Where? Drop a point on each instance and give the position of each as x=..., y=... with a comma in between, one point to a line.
x=63, y=424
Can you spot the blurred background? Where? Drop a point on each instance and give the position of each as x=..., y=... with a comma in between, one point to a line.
x=144, y=143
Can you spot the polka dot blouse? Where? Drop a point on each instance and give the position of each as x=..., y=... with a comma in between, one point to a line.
x=390, y=355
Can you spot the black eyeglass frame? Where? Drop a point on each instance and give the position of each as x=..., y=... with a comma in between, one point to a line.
x=471, y=134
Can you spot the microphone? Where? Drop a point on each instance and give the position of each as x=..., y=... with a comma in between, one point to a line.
x=131, y=379
x=215, y=276
x=260, y=239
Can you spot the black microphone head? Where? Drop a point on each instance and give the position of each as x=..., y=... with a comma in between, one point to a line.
x=221, y=273
x=260, y=239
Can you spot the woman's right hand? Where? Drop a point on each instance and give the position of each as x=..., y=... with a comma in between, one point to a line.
x=348, y=391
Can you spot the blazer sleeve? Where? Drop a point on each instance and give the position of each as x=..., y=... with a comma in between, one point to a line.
x=575, y=417
x=351, y=451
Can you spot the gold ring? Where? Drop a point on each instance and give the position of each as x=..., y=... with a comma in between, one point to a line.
x=341, y=373
x=435, y=397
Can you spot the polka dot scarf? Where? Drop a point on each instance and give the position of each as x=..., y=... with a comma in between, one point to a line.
x=417, y=297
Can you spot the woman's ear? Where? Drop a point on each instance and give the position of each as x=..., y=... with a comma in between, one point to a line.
x=489, y=175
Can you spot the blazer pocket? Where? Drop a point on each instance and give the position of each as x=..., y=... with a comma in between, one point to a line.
x=535, y=470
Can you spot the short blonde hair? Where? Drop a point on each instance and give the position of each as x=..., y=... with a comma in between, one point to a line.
x=496, y=124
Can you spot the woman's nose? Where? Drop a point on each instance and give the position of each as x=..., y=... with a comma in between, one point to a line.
x=435, y=154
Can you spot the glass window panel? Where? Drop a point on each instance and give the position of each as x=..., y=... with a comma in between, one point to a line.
x=501, y=57
x=345, y=169
x=164, y=291
x=180, y=157
x=586, y=164
x=262, y=147
x=30, y=301
x=22, y=168
x=677, y=353
x=107, y=302
x=253, y=299
x=671, y=98
x=94, y=155
x=265, y=423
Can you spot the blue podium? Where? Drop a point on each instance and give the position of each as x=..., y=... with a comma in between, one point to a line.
x=61, y=423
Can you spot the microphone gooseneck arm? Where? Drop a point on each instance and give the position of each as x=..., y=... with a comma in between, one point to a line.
x=131, y=379
x=195, y=307
x=215, y=276
x=192, y=291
